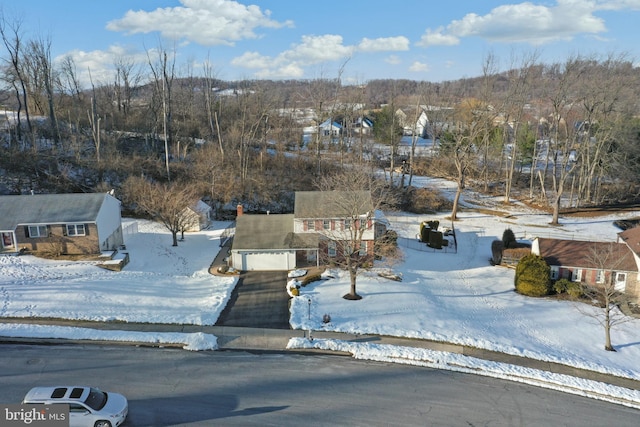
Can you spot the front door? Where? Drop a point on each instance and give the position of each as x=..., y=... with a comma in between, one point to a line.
x=7, y=240
x=620, y=281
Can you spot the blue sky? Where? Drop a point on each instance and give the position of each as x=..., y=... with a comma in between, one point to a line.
x=300, y=39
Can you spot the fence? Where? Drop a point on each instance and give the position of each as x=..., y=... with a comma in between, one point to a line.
x=129, y=230
x=227, y=234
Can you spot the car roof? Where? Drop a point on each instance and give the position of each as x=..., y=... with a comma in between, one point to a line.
x=57, y=393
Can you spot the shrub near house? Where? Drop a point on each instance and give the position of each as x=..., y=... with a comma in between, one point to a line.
x=532, y=276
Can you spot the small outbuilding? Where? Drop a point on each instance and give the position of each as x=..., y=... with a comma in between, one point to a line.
x=197, y=217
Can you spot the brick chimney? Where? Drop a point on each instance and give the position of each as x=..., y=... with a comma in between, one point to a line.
x=239, y=210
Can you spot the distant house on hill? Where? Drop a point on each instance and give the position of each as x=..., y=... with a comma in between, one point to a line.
x=65, y=223
x=330, y=128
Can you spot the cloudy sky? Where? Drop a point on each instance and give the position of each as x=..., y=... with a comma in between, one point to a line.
x=299, y=39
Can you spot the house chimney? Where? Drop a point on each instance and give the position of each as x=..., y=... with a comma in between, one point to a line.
x=239, y=210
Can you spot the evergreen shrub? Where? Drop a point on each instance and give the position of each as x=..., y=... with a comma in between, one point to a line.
x=532, y=276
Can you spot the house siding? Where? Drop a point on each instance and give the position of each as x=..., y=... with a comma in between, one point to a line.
x=109, y=225
x=98, y=213
x=58, y=242
x=632, y=286
x=323, y=250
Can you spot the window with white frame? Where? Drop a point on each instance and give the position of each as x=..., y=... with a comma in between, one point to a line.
x=326, y=224
x=577, y=275
x=347, y=224
x=331, y=248
x=600, y=276
x=311, y=225
x=38, y=231
x=554, y=272
x=76, y=230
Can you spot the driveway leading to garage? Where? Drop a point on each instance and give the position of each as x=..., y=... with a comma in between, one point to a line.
x=259, y=300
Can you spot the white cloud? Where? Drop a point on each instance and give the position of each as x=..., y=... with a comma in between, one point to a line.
x=314, y=50
x=252, y=60
x=98, y=65
x=527, y=22
x=290, y=63
x=393, y=60
x=437, y=38
x=206, y=22
x=419, y=67
x=317, y=49
x=384, y=44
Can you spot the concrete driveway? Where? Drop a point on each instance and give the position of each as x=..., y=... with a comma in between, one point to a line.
x=259, y=300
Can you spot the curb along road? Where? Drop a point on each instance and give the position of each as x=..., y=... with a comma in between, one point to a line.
x=276, y=340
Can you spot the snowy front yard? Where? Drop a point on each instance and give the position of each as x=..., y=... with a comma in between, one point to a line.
x=454, y=297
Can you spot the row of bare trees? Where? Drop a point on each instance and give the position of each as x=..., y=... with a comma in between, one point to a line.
x=571, y=139
x=567, y=131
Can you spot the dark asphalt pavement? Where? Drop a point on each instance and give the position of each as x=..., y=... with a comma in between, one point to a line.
x=259, y=300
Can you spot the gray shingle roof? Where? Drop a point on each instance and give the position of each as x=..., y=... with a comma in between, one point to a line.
x=332, y=204
x=49, y=209
x=263, y=231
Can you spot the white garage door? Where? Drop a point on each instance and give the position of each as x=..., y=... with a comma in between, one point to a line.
x=265, y=261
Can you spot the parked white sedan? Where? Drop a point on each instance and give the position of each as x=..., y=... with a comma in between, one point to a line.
x=88, y=406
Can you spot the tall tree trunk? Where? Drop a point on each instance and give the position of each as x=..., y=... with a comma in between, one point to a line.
x=607, y=331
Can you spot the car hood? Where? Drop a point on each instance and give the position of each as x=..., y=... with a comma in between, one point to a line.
x=116, y=403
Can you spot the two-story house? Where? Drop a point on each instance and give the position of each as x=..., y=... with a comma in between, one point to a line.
x=325, y=226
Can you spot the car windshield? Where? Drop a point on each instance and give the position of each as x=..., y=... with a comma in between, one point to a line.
x=96, y=399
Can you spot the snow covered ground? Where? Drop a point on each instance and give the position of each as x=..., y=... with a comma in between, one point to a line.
x=453, y=297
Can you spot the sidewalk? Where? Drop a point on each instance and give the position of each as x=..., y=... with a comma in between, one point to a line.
x=276, y=340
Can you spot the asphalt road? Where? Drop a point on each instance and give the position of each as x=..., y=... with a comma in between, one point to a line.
x=259, y=300
x=168, y=387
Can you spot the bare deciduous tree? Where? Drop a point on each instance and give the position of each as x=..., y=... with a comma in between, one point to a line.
x=516, y=100
x=12, y=39
x=605, y=291
x=164, y=203
x=163, y=71
x=39, y=57
x=468, y=121
x=355, y=196
x=563, y=134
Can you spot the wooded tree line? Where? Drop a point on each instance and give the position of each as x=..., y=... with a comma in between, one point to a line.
x=575, y=122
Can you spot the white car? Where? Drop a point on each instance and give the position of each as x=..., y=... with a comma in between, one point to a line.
x=88, y=406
